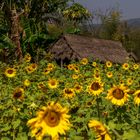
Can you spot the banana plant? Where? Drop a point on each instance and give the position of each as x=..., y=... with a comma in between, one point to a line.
x=11, y=14
x=24, y=23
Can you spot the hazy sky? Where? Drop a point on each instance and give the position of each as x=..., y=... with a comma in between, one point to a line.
x=129, y=8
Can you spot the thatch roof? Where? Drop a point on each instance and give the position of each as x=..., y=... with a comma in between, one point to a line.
x=77, y=47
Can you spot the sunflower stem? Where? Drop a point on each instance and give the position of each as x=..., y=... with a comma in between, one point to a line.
x=116, y=133
x=98, y=108
x=14, y=134
x=137, y=118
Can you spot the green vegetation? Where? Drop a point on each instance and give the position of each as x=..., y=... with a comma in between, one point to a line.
x=83, y=100
x=33, y=25
x=108, y=93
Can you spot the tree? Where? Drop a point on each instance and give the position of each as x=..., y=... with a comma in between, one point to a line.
x=110, y=25
x=13, y=11
x=76, y=13
x=26, y=22
x=11, y=17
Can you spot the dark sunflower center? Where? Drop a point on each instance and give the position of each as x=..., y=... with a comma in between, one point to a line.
x=46, y=70
x=97, y=75
x=17, y=94
x=29, y=69
x=50, y=67
x=118, y=93
x=41, y=85
x=77, y=87
x=53, y=83
x=68, y=91
x=95, y=86
x=89, y=103
x=126, y=66
x=52, y=118
x=139, y=95
x=10, y=71
x=33, y=66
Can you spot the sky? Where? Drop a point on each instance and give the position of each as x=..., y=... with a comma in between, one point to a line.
x=129, y=8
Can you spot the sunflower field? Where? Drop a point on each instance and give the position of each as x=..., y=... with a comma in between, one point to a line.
x=83, y=100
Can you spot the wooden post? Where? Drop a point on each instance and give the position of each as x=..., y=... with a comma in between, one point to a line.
x=61, y=63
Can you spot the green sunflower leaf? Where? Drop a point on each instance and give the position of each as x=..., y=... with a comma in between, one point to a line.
x=16, y=123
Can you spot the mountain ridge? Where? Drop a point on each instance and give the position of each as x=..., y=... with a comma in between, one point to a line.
x=134, y=22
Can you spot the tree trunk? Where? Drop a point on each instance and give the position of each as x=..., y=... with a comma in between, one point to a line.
x=15, y=36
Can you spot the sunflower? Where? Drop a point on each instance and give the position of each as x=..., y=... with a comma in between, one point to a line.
x=96, y=70
x=46, y=71
x=109, y=74
x=29, y=69
x=18, y=93
x=51, y=120
x=40, y=85
x=129, y=81
x=89, y=103
x=99, y=128
x=104, y=114
x=27, y=57
x=56, y=137
x=122, y=81
x=10, y=72
x=76, y=69
x=33, y=66
x=137, y=97
x=50, y=66
x=75, y=76
x=95, y=88
x=71, y=66
x=53, y=83
x=125, y=66
x=84, y=61
x=135, y=66
x=77, y=88
x=118, y=95
x=94, y=64
x=26, y=83
x=68, y=92
x=108, y=64
x=97, y=76
x=104, y=137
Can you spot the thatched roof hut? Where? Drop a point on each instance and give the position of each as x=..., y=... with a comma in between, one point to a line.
x=76, y=47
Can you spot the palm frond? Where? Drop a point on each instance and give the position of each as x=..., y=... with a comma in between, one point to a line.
x=6, y=42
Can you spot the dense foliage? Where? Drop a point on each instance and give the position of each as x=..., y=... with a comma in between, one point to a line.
x=90, y=90
x=27, y=26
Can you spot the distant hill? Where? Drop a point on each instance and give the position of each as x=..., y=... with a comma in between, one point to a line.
x=133, y=22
